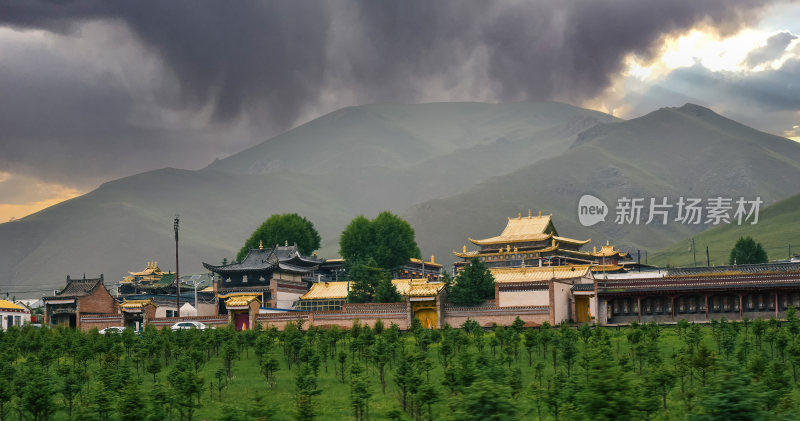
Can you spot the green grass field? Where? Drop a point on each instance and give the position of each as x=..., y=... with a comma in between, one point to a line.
x=777, y=227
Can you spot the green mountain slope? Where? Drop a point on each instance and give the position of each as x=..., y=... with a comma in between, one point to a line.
x=778, y=226
x=358, y=160
x=687, y=151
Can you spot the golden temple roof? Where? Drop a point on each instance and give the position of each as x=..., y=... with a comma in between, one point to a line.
x=606, y=268
x=8, y=305
x=607, y=250
x=530, y=228
x=241, y=299
x=529, y=274
x=130, y=304
x=571, y=240
x=151, y=269
x=477, y=253
x=417, y=287
x=406, y=287
x=526, y=229
x=431, y=263
x=327, y=291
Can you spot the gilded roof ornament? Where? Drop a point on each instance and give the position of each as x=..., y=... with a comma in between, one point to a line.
x=260, y=245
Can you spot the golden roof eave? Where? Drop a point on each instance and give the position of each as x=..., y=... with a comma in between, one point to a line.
x=242, y=300
x=500, y=239
x=327, y=291
x=502, y=253
x=572, y=240
x=538, y=274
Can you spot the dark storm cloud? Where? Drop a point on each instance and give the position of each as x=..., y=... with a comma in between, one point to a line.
x=772, y=50
x=271, y=60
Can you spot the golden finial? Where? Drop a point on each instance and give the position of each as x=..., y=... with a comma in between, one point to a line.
x=286, y=244
x=260, y=245
x=595, y=249
x=464, y=250
x=606, y=242
x=315, y=253
x=432, y=259
x=529, y=213
x=540, y=214
x=519, y=215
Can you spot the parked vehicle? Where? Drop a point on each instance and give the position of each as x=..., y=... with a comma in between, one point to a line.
x=113, y=329
x=189, y=325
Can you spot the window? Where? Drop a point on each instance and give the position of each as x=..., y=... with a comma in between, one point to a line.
x=171, y=313
x=17, y=320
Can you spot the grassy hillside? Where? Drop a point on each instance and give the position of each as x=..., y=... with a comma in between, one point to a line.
x=777, y=227
x=672, y=152
x=359, y=160
x=454, y=170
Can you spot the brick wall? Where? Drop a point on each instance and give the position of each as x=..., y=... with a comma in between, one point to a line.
x=488, y=314
x=215, y=321
x=98, y=302
x=100, y=322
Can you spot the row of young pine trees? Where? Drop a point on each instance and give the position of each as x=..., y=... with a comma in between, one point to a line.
x=724, y=370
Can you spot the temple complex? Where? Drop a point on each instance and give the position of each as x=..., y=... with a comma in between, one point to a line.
x=422, y=295
x=150, y=280
x=273, y=277
x=80, y=297
x=533, y=241
x=699, y=294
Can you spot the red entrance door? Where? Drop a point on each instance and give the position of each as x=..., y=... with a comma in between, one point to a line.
x=242, y=321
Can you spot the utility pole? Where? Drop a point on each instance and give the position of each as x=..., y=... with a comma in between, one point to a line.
x=177, y=273
x=639, y=260
x=708, y=258
x=694, y=253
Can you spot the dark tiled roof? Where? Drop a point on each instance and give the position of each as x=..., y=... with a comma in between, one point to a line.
x=255, y=261
x=726, y=281
x=259, y=260
x=79, y=287
x=737, y=269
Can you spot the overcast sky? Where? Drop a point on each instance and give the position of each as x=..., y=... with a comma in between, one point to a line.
x=94, y=90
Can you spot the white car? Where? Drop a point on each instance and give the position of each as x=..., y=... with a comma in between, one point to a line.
x=188, y=325
x=113, y=329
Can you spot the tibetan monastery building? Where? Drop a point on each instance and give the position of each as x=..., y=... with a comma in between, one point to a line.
x=533, y=241
x=79, y=298
x=699, y=294
x=272, y=277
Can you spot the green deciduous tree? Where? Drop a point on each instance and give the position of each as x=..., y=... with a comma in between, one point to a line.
x=473, y=285
x=746, y=251
x=387, y=239
x=284, y=228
